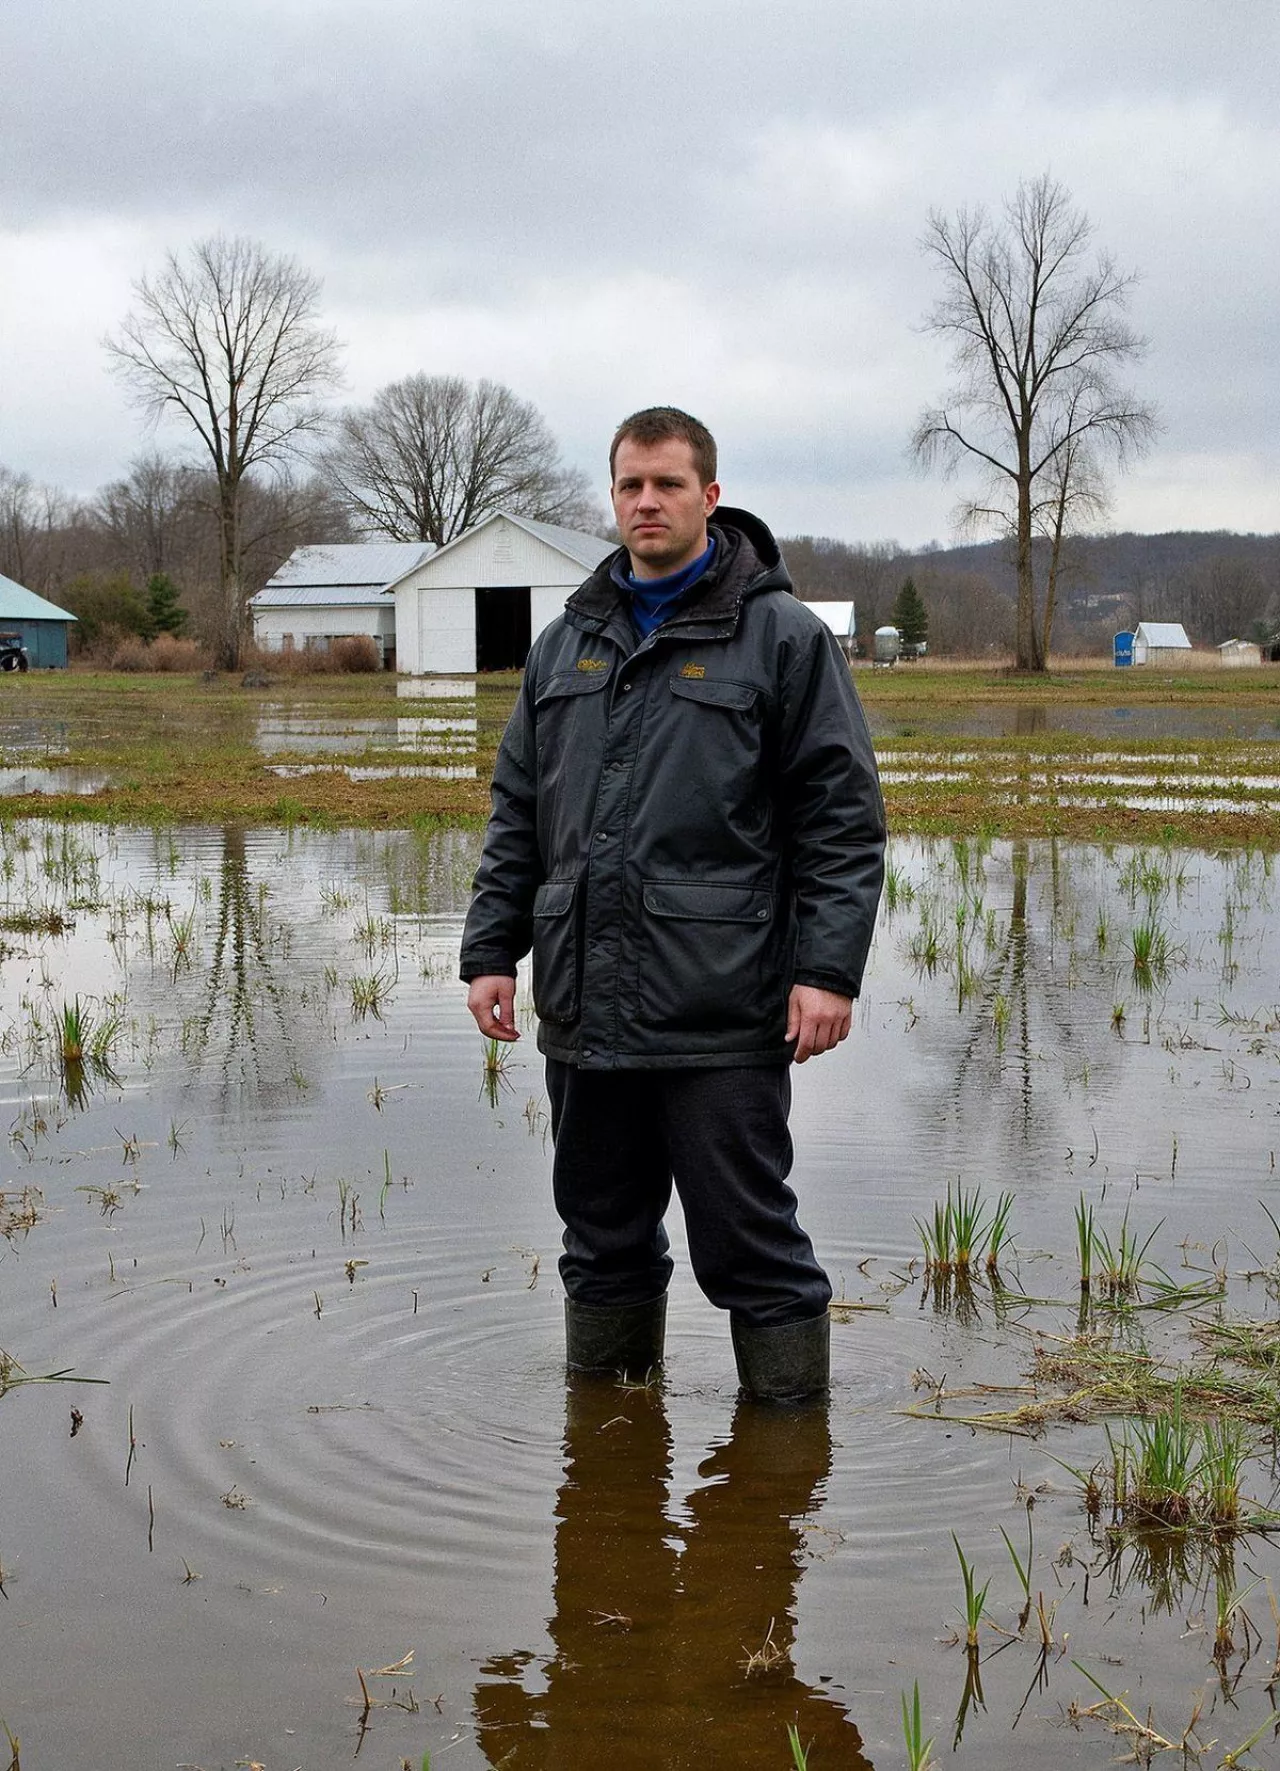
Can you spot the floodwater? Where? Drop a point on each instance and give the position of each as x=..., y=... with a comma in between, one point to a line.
x=311, y=1258
x=1117, y=725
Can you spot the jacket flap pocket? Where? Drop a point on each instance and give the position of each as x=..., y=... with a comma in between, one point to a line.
x=555, y=898
x=701, y=902
x=573, y=682
x=714, y=692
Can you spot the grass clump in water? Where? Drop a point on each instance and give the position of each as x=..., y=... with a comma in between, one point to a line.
x=962, y=1231
x=918, y=1748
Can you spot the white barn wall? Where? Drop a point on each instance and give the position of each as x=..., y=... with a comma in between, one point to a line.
x=435, y=603
x=271, y=626
x=436, y=629
x=546, y=602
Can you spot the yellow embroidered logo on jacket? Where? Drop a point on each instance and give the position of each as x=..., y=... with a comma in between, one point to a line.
x=593, y=664
x=696, y=670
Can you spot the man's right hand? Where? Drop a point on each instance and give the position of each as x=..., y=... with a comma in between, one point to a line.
x=492, y=1002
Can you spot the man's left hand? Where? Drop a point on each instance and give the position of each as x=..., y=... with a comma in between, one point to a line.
x=817, y=1020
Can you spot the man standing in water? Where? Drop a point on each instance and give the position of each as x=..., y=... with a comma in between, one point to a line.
x=687, y=830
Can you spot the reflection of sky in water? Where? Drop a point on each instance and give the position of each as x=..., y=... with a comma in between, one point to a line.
x=1008, y=780
x=449, y=737
x=38, y=780
x=1115, y=723
x=22, y=736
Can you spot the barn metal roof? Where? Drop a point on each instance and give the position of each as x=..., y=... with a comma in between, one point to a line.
x=838, y=615
x=321, y=596
x=1162, y=633
x=17, y=603
x=588, y=550
x=349, y=563
x=583, y=549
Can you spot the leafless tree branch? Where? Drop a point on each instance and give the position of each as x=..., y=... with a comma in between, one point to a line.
x=226, y=338
x=1037, y=332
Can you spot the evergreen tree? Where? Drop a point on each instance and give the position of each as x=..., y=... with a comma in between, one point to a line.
x=164, y=605
x=910, y=616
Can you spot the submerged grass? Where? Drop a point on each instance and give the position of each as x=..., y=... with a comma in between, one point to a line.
x=1087, y=1377
x=12, y=1375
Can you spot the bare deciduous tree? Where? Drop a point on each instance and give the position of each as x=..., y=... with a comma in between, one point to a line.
x=433, y=455
x=145, y=518
x=39, y=529
x=227, y=338
x=1037, y=331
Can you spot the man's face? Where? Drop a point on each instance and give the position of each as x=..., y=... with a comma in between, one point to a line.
x=661, y=506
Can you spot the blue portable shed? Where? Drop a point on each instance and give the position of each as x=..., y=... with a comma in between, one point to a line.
x=41, y=626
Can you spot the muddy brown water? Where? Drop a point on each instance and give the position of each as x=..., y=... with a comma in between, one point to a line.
x=316, y=1268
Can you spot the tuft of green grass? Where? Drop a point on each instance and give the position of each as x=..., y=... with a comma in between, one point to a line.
x=369, y=993
x=1150, y=951
x=1084, y=1243
x=961, y=1230
x=74, y=1023
x=975, y=1598
x=493, y=1076
x=1168, y=1472
x=799, y=1753
x=913, y=1732
x=1121, y=1264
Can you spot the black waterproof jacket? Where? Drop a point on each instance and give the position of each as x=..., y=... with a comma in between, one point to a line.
x=683, y=827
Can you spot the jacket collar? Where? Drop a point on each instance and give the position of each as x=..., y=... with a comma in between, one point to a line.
x=747, y=562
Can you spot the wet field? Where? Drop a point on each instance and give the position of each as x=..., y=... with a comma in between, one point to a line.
x=327, y=1495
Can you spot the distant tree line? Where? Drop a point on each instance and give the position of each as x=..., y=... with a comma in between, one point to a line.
x=1219, y=585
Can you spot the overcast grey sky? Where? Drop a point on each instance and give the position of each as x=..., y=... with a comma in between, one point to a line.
x=713, y=204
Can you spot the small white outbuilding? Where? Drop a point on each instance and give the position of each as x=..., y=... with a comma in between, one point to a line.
x=480, y=601
x=840, y=617
x=1160, y=642
x=1237, y=653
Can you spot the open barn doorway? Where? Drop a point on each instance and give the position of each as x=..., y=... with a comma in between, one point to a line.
x=502, y=628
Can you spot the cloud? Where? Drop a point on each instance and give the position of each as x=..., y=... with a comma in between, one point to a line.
x=607, y=206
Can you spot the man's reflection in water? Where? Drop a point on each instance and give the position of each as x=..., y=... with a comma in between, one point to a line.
x=654, y=1621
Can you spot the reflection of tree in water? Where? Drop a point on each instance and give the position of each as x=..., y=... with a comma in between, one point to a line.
x=1034, y=991
x=241, y=1025
x=655, y=1617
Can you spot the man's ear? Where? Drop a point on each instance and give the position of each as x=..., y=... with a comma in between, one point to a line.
x=710, y=497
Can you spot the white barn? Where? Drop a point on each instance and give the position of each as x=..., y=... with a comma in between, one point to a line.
x=479, y=602
x=321, y=594
x=1236, y=654
x=1160, y=642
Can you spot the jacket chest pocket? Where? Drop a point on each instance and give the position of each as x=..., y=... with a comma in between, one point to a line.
x=717, y=737
x=711, y=956
x=570, y=705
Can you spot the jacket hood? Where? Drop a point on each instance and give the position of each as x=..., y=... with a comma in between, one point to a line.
x=748, y=561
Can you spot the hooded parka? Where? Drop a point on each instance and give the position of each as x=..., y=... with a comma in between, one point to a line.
x=684, y=826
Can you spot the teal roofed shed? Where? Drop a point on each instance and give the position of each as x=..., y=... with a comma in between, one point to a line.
x=42, y=626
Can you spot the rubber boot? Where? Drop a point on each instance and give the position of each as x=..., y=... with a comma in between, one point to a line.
x=624, y=1340
x=788, y=1363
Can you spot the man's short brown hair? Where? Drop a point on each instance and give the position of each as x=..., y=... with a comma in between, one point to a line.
x=656, y=424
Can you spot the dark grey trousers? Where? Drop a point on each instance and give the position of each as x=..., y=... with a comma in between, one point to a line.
x=622, y=1137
